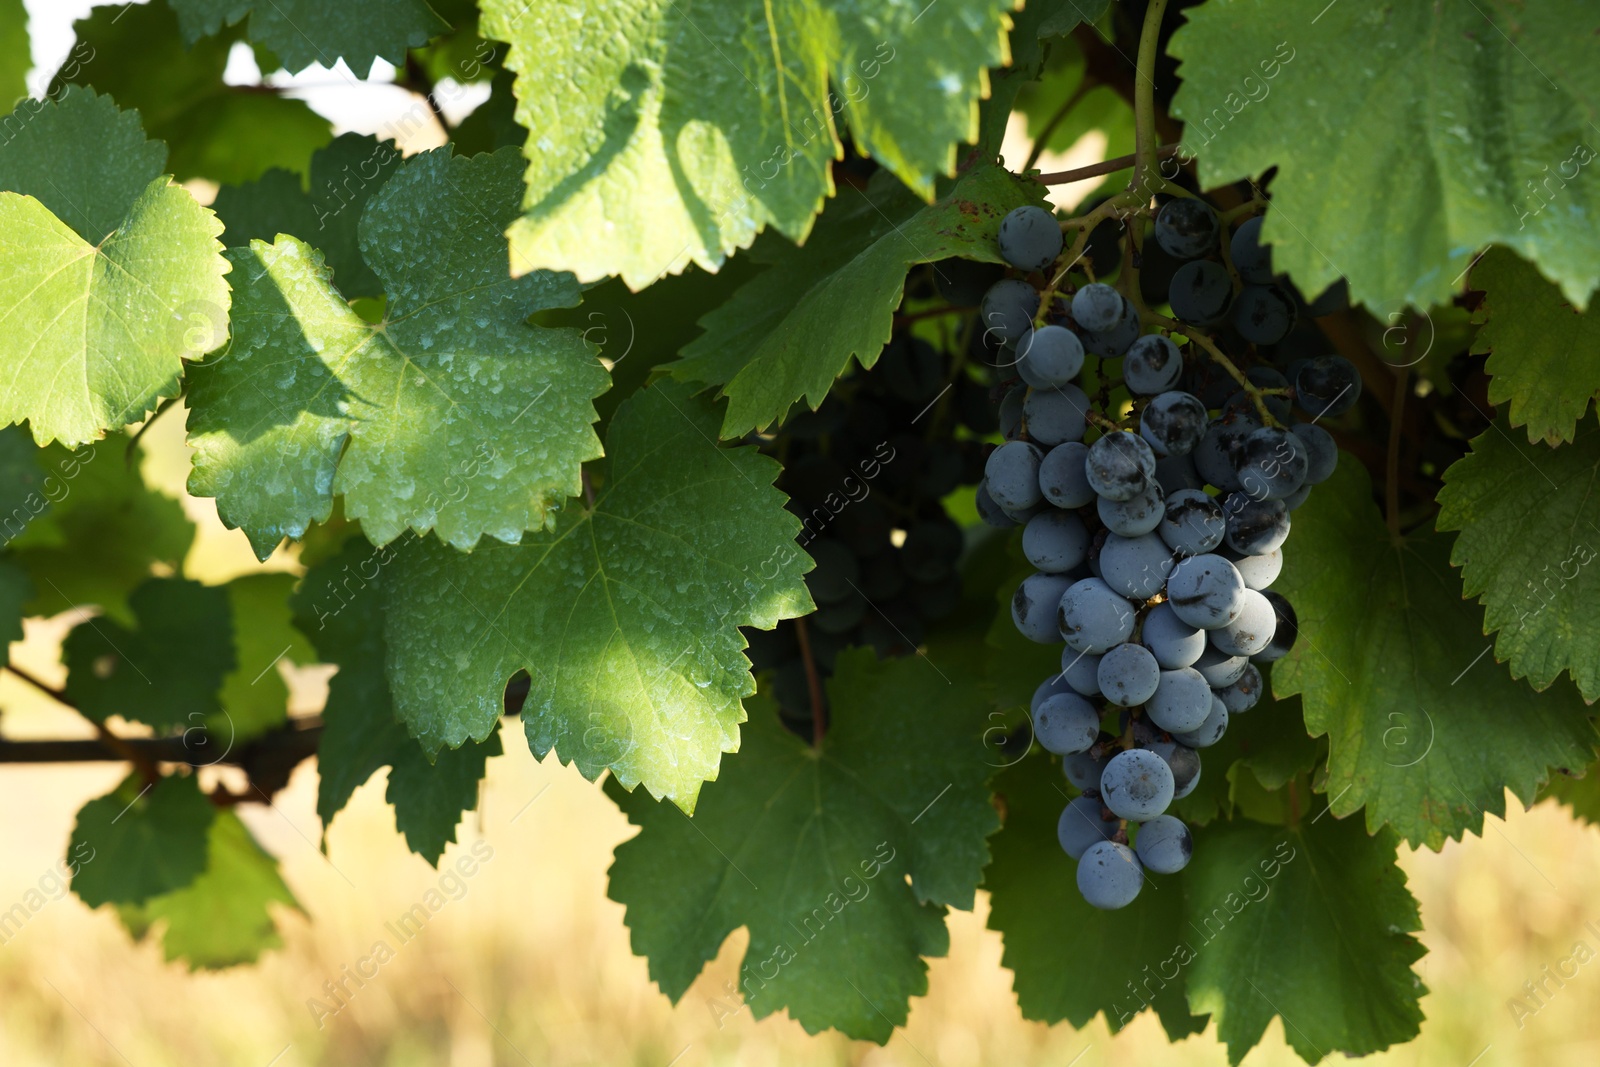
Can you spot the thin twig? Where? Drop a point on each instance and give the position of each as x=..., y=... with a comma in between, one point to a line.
x=117, y=745
x=1253, y=391
x=819, y=708
x=1391, y=486
x=1072, y=101
x=1110, y=166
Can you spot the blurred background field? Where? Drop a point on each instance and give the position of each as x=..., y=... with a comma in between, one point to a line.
x=532, y=964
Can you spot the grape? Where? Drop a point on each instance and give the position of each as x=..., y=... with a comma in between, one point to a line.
x=1186, y=228
x=1192, y=523
x=1081, y=670
x=1251, y=258
x=1177, y=472
x=1205, y=591
x=1264, y=377
x=1263, y=314
x=1272, y=464
x=1130, y=518
x=1296, y=498
x=1173, y=642
x=1097, y=307
x=1093, y=618
x=1109, y=875
x=1119, y=466
x=1250, y=632
x=1011, y=412
x=1258, y=572
x=1030, y=238
x=1054, y=541
x=1065, y=724
x=1127, y=675
x=1083, y=770
x=912, y=369
x=1136, y=567
x=1173, y=423
x=1182, y=701
x=1063, y=477
x=1208, y=732
x=1008, y=309
x=1152, y=365
x=931, y=548
x=1218, y=668
x=1322, y=455
x=1012, y=474
x=1056, y=415
x=1163, y=845
x=836, y=572
x=1048, y=688
x=1242, y=695
x=1034, y=604
x=1081, y=825
x=1200, y=293
x=1254, y=526
x=1117, y=340
x=1284, y=632
x=1137, y=784
x=1214, y=455
x=1050, y=355
x=1182, y=761
x=1327, y=385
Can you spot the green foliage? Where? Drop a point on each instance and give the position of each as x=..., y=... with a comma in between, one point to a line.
x=792, y=330
x=1384, y=637
x=140, y=841
x=104, y=263
x=450, y=414
x=164, y=672
x=1544, y=354
x=212, y=130
x=345, y=175
x=15, y=58
x=1047, y=925
x=303, y=32
x=21, y=482
x=724, y=122
x=338, y=607
x=220, y=919
x=1312, y=923
x=102, y=533
x=624, y=615
x=1580, y=792
x=1472, y=121
x=1526, y=517
x=839, y=861
x=16, y=589
x=254, y=695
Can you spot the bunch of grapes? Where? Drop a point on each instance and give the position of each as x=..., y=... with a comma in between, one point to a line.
x=866, y=474
x=1156, y=532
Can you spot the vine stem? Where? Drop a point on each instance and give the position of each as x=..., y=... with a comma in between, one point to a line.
x=108, y=740
x=1391, y=480
x=1062, y=112
x=819, y=710
x=1144, y=95
x=1109, y=166
x=1253, y=391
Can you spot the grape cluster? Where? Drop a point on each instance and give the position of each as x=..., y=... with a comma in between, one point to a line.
x=866, y=474
x=1156, y=535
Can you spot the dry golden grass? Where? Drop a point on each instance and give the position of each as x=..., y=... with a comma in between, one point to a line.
x=533, y=966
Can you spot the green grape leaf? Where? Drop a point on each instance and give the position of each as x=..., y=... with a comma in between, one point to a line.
x=104, y=262
x=1063, y=16
x=101, y=534
x=132, y=53
x=1419, y=133
x=493, y=124
x=787, y=334
x=164, y=673
x=724, y=123
x=451, y=414
x=839, y=862
x=338, y=607
x=1544, y=355
x=140, y=841
x=220, y=919
x=1269, y=742
x=1384, y=639
x=1313, y=924
x=254, y=696
x=345, y=175
x=625, y=615
x=1527, y=517
x=15, y=55
x=16, y=589
x=1138, y=951
x=1579, y=791
x=21, y=483
x=303, y=32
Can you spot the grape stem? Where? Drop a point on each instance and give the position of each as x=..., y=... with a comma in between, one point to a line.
x=1257, y=396
x=1391, y=479
x=1144, y=99
x=819, y=709
x=1089, y=82
x=1096, y=170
